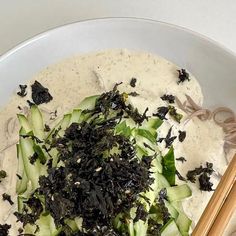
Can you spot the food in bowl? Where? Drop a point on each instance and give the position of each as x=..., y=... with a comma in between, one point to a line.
x=110, y=143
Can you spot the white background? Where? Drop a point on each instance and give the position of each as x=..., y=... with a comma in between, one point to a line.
x=22, y=19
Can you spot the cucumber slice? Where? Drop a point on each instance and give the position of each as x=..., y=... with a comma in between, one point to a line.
x=146, y=134
x=131, y=228
x=156, y=166
x=153, y=123
x=88, y=103
x=162, y=181
x=183, y=223
x=21, y=184
x=75, y=116
x=32, y=171
x=177, y=193
x=173, y=212
x=24, y=123
x=20, y=203
x=37, y=122
x=64, y=124
x=140, y=228
x=46, y=225
x=170, y=229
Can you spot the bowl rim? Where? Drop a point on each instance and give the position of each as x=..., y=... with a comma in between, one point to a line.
x=36, y=37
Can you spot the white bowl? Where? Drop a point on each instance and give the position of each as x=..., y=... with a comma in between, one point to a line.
x=213, y=65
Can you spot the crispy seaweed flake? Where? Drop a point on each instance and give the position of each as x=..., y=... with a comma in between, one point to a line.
x=173, y=113
x=183, y=76
x=32, y=205
x=205, y=183
x=30, y=103
x=116, y=101
x=204, y=176
x=154, y=229
x=161, y=205
x=182, y=159
x=182, y=135
x=92, y=186
x=33, y=158
x=179, y=175
x=3, y=175
x=141, y=213
x=47, y=128
x=168, y=139
x=40, y=94
x=7, y=197
x=22, y=92
x=161, y=112
x=133, y=94
x=4, y=229
x=168, y=97
x=133, y=82
x=19, y=177
x=33, y=137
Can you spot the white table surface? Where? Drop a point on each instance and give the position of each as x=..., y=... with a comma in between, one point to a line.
x=22, y=19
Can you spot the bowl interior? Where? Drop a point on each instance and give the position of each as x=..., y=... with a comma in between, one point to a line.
x=213, y=66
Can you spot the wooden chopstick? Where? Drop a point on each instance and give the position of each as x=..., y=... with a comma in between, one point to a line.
x=213, y=208
x=225, y=214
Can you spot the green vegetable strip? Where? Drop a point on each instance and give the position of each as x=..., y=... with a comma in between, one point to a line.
x=37, y=122
x=21, y=184
x=168, y=162
x=32, y=171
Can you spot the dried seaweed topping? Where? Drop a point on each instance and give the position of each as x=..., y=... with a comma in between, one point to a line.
x=168, y=139
x=183, y=76
x=31, y=212
x=133, y=82
x=182, y=135
x=204, y=176
x=7, y=197
x=3, y=175
x=22, y=92
x=40, y=94
x=94, y=182
x=179, y=175
x=141, y=213
x=47, y=128
x=30, y=103
x=133, y=94
x=173, y=113
x=161, y=112
x=204, y=181
x=154, y=229
x=116, y=101
x=18, y=176
x=33, y=137
x=168, y=97
x=182, y=159
x=4, y=229
x=162, y=207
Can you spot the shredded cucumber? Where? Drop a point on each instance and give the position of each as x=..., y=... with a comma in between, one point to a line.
x=177, y=193
x=162, y=171
x=21, y=184
x=183, y=223
x=24, y=123
x=37, y=122
x=32, y=171
x=170, y=229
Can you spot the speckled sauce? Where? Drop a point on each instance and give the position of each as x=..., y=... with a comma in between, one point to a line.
x=85, y=75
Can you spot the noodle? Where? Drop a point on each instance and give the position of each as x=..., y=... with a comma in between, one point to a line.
x=222, y=116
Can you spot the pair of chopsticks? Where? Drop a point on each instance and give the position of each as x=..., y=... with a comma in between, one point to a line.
x=221, y=206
